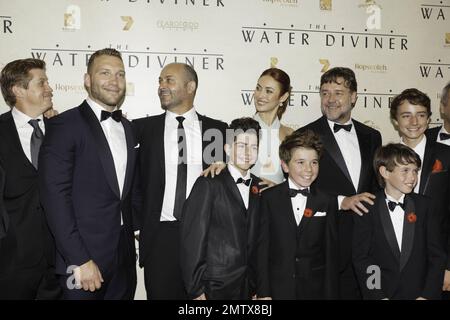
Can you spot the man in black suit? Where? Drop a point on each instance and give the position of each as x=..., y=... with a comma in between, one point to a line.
x=297, y=247
x=441, y=134
x=174, y=151
x=27, y=251
x=410, y=112
x=397, y=250
x=220, y=224
x=346, y=165
x=87, y=164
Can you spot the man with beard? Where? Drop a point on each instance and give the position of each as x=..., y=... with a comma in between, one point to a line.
x=86, y=172
x=175, y=148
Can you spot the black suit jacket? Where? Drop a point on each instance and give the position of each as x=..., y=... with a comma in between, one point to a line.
x=151, y=171
x=218, y=237
x=281, y=265
x=436, y=184
x=28, y=238
x=80, y=191
x=415, y=271
x=334, y=177
x=4, y=219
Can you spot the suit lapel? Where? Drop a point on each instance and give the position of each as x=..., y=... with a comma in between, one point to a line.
x=364, y=150
x=285, y=207
x=311, y=203
x=104, y=152
x=427, y=165
x=332, y=147
x=388, y=227
x=408, y=232
x=233, y=189
x=131, y=156
x=253, y=210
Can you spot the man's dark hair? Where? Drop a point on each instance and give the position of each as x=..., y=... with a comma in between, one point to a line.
x=103, y=52
x=242, y=125
x=332, y=75
x=413, y=96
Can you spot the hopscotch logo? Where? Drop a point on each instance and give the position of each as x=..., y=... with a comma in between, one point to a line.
x=72, y=18
x=374, y=12
x=6, y=23
x=435, y=12
x=434, y=70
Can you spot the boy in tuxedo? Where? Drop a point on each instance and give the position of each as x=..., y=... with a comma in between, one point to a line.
x=297, y=245
x=219, y=223
x=397, y=249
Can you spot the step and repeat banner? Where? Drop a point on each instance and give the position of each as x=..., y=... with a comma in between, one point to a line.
x=391, y=46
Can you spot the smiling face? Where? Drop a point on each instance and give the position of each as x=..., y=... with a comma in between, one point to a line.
x=303, y=167
x=105, y=81
x=337, y=101
x=401, y=180
x=267, y=95
x=412, y=121
x=243, y=152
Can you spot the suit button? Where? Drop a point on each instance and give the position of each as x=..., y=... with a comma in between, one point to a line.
x=293, y=276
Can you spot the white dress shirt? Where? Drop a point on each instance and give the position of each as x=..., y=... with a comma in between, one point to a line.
x=446, y=142
x=25, y=130
x=298, y=202
x=193, y=133
x=243, y=189
x=420, y=150
x=115, y=136
x=397, y=218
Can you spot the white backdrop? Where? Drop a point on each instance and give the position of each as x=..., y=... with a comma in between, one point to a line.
x=391, y=45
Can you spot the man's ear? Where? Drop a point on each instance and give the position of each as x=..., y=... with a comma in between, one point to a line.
x=18, y=91
x=284, y=166
x=87, y=81
x=384, y=172
x=191, y=86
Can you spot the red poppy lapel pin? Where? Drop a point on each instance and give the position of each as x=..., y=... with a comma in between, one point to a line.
x=437, y=166
x=411, y=217
x=308, y=213
x=255, y=190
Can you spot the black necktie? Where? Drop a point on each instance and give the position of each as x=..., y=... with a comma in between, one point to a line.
x=444, y=136
x=180, y=192
x=36, y=140
x=294, y=192
x=346, y=127
x=392, y=205
x=116, y=115
x=246, y=182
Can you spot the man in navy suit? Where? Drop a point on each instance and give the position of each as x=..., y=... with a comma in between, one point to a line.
x=86, y=173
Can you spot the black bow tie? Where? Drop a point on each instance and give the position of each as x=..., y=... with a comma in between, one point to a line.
x=392, y=205
x=294, y=192
x=346, y=127
x=246, y=182
x=444, y=136
x=116, y=115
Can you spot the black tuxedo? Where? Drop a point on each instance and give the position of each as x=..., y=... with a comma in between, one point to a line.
x=4, y=219
x=334, y=179
x=218, y=239
x=415, y=271
x=28, y=245
x=159, y=241
x=297, y=262
x=83, y=204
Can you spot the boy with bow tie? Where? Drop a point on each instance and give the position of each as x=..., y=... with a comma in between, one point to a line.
x=397, y=249
x=219, y=223
x=297, y=246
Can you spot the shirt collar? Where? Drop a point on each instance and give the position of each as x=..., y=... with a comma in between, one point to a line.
x=189, y=116
x=331, y=124
x=443, y=130
x=21, y=119
x=236, y=174
x=97, y=108
x=293, y=185
x=389, y=198
x=275, y=124
x=420, y=148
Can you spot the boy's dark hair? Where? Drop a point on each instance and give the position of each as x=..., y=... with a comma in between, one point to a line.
x=307, y=139
x=392, y=155
x=103, y=52
x=413, y=96
x=242, y=125
x=17, y=73
x=347, y=74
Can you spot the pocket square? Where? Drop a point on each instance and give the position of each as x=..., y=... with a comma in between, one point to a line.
x=137, y=146
x=320, y=214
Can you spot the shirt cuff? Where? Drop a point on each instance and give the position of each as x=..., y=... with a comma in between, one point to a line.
x=340, y=199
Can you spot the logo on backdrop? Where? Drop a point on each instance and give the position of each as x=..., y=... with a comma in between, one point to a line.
x=175, y=25
x=72, y=18
x=147, y=58
x=434, y=70
x=283, y=3
x=326, y=65
x=273, y=62
x=6, y=23
x=322, y=36
x=375, y=68
x=434, y=11
x=447, y=38
x=128, y=22
x=186, y=3
x=374, y=12
x=325, y=5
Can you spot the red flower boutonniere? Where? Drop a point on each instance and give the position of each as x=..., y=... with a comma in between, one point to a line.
x=308, y=213
x=255, y=190
x=437, y=166
x=411, y=217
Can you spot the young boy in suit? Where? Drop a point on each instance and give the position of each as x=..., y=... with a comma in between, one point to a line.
x=219, y=223
x=397, y=249
x=297, y=246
